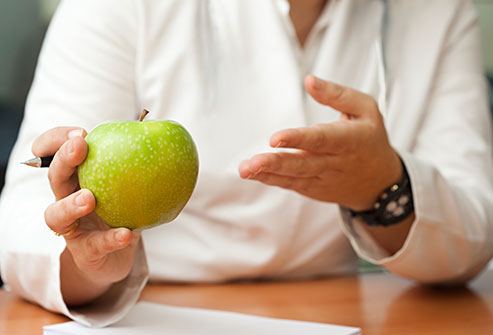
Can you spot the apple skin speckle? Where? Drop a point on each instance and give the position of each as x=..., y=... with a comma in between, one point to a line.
x=142, y=174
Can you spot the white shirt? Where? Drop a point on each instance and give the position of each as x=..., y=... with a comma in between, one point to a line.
x=231, y=73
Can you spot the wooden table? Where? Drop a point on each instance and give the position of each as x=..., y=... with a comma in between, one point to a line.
x=378, y=303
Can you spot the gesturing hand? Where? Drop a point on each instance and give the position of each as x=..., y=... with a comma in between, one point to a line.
x=349, y=162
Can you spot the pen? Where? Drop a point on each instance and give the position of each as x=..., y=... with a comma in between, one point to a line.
x=39, y=162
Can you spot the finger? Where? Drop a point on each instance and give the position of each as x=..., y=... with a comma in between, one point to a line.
x=330, y=138
x=49, y=142
x=62, y=176
x=61, y=215
x=301, y=185
x=300, y=164
x=341, y=98
x=244, y=170
x=98, y=244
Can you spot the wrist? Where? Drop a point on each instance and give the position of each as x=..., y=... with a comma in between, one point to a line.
x=394, y=204
x=76, y=286
x=390, y=175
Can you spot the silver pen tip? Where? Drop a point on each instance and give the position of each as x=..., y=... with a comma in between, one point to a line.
x=35, y=162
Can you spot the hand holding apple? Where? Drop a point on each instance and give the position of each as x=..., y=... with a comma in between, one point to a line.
x=95, y=255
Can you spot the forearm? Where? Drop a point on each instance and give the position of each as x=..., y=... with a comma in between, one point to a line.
x=76, y=288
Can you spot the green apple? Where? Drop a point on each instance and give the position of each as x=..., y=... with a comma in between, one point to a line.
x=142, y=173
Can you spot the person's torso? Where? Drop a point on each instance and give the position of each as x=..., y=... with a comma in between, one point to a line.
x=230, y=72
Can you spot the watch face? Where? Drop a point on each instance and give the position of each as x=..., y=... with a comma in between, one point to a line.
x=397, y=207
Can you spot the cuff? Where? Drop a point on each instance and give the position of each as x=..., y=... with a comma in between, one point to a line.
x=118, y=300
x=35, y=275
x=363, y=243
x=438, y=248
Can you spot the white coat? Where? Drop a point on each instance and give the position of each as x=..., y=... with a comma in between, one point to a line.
x=231, y=72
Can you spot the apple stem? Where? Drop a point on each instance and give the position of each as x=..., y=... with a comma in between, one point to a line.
x=143, y=115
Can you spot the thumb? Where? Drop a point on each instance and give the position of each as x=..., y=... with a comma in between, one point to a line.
x=341, y=98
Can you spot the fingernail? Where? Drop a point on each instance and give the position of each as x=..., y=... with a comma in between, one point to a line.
x=120, y=236
x=280, y=144
x=80, y=200
x=75, y=133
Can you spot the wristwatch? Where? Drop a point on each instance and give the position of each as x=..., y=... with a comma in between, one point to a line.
x=393, y=205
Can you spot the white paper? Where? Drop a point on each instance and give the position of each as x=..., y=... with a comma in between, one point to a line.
x=150, y=318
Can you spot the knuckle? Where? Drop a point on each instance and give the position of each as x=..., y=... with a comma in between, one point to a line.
x=53, y=173
x=293, y=137
x=48, y=216
x=276, y=162
x=65, y=209
x=318, y=140
x=303, y=165
x=34, y=147
x=339, y=93
x=107, y=244
x=258, y=160
x=63, y=153
x=37, y=145
x=53, y=177
x=59, y=168
x=341, y=146
x=59, y=214
x=92, y=249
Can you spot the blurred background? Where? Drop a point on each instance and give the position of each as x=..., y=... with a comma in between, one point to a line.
x=23, y=24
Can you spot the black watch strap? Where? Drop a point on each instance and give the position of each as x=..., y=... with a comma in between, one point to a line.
x=393, y=205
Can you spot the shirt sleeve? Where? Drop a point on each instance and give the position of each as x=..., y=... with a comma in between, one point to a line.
x=85, y=75
x=451, y=172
